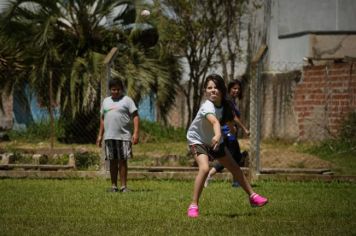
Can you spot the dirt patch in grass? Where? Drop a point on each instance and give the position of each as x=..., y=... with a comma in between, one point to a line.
x=288, y=159
x=285, y=156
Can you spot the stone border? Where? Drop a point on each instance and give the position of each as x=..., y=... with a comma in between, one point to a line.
x=179, y=175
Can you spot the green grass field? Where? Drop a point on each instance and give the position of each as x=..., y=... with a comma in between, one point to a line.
x=158, y=207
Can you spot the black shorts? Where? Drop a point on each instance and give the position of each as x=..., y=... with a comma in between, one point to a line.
x=234, y=148
x=197, y=149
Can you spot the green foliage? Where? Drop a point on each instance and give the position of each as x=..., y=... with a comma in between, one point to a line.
x=18, y=158
x=58, y=48
x=154, y=132
x=158, y=207
x=59, y=160
x=87, y=160
x=344, y=145
x=36, y=132
x=341, y=151
x=82, y=128
x=348, y=129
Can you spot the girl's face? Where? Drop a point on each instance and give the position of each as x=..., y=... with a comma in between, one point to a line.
x=116, y=91
x=235, y=91
x=213, y=93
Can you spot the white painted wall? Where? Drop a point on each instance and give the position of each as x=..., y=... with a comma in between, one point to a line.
x=293, y=25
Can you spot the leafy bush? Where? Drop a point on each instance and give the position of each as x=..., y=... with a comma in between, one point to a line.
x=341, y=151
x=36, y=132
x=84, y=130
x=19, y=158
x=81, y=129
x=55, y=160
x=86, y=160
x=155, y=132
x=344, y=145
x=348, y=128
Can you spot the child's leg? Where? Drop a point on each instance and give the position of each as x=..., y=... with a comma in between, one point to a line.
x=203, y=163
x=234, y=149
x=212, y=172
x=123, y=172
x=236, y=171
x=114, y=171
x=215, y=169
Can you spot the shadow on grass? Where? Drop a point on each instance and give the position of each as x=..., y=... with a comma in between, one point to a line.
x=231, y=215
x=110, y=190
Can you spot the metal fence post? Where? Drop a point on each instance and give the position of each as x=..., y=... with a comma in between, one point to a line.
x=108, y=61
x=256, y=67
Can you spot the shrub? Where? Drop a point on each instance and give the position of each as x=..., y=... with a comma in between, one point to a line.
x=87, y=160
x=155, y=132
x=344, y=145
x=36, y=132
x=348, y=128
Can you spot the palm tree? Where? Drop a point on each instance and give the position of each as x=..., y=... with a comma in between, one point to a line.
x=63, y=44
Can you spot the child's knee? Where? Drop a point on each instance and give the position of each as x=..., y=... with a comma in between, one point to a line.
x=204, y=169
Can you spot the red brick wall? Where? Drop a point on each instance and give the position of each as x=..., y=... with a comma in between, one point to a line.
x=323, y=98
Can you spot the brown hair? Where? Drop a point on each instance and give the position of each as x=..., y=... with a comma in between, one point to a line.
x=220, y=84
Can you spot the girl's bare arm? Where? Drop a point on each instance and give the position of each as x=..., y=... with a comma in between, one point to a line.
x=217, y=130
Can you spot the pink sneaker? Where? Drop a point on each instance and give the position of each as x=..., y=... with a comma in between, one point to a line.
x=257, y=200
x=193, y=211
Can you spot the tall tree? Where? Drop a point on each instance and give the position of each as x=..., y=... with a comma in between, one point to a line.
x=234, y=30
x=64, y=43
x=191, y=29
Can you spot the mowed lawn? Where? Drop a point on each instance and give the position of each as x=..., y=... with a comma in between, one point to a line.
x=158, y=207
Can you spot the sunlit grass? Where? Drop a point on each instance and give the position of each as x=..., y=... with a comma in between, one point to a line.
x=153, y=207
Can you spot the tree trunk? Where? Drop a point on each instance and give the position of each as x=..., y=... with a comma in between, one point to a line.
x=51, y=115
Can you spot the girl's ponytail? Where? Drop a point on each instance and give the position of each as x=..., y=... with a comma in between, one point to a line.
x=228, y=114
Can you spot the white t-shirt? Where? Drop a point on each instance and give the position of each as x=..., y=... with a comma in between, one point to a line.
x=117, y=116
x=201, y=131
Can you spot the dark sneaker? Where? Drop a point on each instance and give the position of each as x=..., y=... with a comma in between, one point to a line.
x=113, y=189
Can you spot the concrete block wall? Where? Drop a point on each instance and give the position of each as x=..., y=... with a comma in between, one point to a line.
x=276, y=103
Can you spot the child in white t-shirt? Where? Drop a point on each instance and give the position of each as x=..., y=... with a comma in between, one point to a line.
x=205, y=142
x=117, y=111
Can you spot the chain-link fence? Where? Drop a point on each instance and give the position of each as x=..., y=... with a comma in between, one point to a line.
x=306, y=101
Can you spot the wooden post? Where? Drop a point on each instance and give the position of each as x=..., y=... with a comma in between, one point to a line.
x=254, y=160
x=108, y=61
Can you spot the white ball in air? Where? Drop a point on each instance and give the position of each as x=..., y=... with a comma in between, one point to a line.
x=145, y=13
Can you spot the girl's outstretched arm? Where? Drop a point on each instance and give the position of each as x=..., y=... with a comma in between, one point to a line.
x=215, y=141
x=239, y=122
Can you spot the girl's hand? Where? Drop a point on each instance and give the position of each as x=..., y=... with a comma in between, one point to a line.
x=247, y=132
x=215, y=142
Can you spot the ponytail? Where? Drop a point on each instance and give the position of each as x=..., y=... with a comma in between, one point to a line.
x=228, y=114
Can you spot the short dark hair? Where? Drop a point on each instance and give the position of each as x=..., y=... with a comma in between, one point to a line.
x=116, y=82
